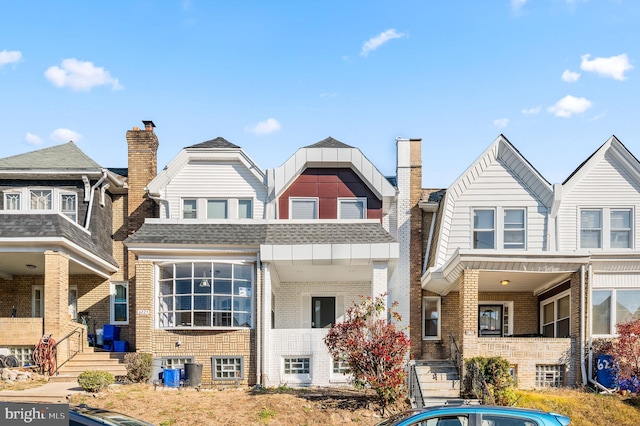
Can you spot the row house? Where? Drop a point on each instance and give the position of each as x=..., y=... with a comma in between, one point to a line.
x=212, y=260
x=517, y=267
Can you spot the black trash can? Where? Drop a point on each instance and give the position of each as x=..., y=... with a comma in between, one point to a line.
x=193, y=374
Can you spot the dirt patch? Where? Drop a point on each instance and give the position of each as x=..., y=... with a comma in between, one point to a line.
x=240, y=406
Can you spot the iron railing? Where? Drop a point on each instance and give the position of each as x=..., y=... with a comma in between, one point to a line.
x=413, y=386
x=455, y=354
x=79, y=346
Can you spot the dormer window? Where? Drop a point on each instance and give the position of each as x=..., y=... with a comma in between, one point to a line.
x=606, y=228
x=352, y=208
x=41, y=199
x=189, y=209
x=621, y=228
x=217, y=209
x=303, y=208
x=245, y=209
x=591, y=228
x=12, y=201
x=68, y=206
x=484, y=229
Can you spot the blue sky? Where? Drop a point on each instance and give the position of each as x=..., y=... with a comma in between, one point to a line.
x=556, y=77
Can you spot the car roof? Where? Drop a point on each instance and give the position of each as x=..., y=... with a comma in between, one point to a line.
x=105, y=416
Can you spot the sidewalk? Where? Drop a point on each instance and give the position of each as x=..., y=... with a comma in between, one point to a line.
x=59, y=392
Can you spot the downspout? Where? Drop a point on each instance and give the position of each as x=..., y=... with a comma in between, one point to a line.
x=93, y=190
x=582, y=323
x=259, y=302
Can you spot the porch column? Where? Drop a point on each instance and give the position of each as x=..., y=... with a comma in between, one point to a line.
x=56, y=293
x=379, y=281
x=468, y=343
x=144, y=314
x=263, y=344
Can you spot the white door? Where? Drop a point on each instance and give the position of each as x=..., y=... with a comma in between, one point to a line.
x=73, y=302
x=37, y=301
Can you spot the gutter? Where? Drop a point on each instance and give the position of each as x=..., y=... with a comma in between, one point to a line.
x=582, y=323
x=259, y=302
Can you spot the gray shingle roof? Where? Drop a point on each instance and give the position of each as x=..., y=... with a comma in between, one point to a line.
x=60, y=157
x=49, y=225
x=329, y=143
x=218, y=142
x=256, y=234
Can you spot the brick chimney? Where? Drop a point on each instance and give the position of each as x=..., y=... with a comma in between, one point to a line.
x=143, y=165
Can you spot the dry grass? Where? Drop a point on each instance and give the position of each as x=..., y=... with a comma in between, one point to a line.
x=321, y=406
x=6, y=385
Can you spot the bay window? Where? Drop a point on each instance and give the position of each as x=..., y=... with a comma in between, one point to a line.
x=555, y=313
x=205, y=295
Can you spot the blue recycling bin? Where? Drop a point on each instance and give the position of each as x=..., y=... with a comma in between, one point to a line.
x=120, y=346
x=171, y=377
x=110, y=333
x=606, y=371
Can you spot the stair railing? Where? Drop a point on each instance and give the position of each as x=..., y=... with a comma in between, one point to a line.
x=413, y=386
x=79, y=346
x=455, y=354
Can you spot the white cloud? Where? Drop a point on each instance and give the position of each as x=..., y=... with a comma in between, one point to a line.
x=569, y=105
x=501, y=123
x=270, y=125
x=613, y=67
x=9, y=57
x=80, y=75
x=516, y=5
x=32, y=139
x=532, y=111
x=65, y=135
x=377, y=41
x=570, y=76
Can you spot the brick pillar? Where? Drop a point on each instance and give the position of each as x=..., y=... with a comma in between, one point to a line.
x=468, y=341
x=56, y=295
x=144, y=313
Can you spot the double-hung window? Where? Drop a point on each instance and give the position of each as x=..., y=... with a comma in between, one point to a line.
x=514, y=228
x=431, y=318
x=190, y=209
x=303, y=208
x=120, y=302
x=352, y=208
x=555, y=313
x=591, y=228
x=484, y=229
x=620, y=228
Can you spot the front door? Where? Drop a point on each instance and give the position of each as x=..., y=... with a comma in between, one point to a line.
x=490, y=320
x=323, y=312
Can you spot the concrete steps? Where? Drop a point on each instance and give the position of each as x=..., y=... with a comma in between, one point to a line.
x=438, y=379
x=91, y=359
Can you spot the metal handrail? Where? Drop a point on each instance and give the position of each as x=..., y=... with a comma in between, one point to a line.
x=67, y=338
x=413, y=386
x=455, y=354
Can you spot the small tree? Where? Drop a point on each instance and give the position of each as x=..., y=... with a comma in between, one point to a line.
x=626, y=350
x=373, y=348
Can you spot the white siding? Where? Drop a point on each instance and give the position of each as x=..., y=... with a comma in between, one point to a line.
x=495, y=187
x=629, y=280
x=608, y=184
x=215, y=180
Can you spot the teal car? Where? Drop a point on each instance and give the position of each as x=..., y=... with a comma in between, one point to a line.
x=475, y=415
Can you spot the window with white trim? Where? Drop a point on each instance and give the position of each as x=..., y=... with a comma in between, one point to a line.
x=217, y=209
x=431, y=317
x=303, y=208
x=69, y=206
x=227, y=368
x=205, y=295
x=340, y=366
x=613, y=306
x=620, y=232
x=555, y=316
x=41, y=199
x=591, y=228
x=245, y=209
x=120, y=302
x=484, y=229
x=352, y=208
x=12, y=201
x=514, y=228
x=299, y=365
x=190, y=209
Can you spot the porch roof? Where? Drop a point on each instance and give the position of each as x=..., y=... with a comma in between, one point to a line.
x=34, y=233
x=528, y=271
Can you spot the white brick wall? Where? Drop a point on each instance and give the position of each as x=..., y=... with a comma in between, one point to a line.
x=399, y=292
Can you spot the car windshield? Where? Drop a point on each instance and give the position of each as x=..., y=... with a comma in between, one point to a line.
x=108, y=417
x=397, y=418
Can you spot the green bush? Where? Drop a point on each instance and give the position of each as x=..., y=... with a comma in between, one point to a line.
x=139, y=366
x=489, y=379
x=95, y=380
